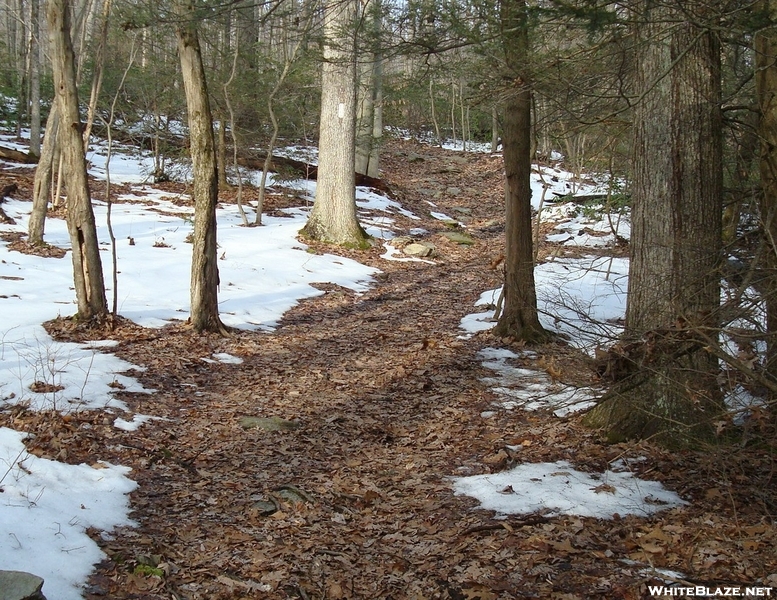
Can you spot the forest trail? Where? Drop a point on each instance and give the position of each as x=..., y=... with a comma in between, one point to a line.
x=372, y=403
x=385, y=402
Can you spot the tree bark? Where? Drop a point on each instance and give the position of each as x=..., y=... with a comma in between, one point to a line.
x=41, y=190
x=364, y=120
x=34, y=60
x=333, y=218
x=204, y=273
x=519, y=318
x=766, y=92
x=370, y=122
x=674, y=281
x=370, y=98
x=221, y=156
x=87, y=264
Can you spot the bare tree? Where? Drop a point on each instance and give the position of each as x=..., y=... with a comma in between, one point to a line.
x=205, y=272
x=288, y=60
x=333, y=218
x=519, y=318
x=369, y=130
x=87, y=265
x=33, y=59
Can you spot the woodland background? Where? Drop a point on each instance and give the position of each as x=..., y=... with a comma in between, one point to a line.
x=667, y=107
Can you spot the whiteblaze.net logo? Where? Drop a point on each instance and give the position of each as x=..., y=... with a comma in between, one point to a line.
x=701, y=591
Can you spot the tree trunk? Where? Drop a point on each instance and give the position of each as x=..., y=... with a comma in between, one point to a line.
x=87, y=265
x=674, y=282
x=766, y=92
x=438, y=137
x=34, y=60
x=233, y=134
x=41, y=190
x=494, y=130
x=364, y=120
x=519, y=317
x=221, y=157
x=373, y=169
x=333, y=218
x=97, y=76
x=22, y=70
x=204, y=273
x=370, y=114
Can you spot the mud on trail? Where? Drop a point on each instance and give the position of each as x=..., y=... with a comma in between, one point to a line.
x=319, y=466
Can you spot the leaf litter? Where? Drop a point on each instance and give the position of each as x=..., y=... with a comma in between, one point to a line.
x=356, y=501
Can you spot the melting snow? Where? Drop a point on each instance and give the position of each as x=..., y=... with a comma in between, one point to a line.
x=46, y=508
x=559, y=489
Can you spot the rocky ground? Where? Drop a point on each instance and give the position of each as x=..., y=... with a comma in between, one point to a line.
x=319, y=467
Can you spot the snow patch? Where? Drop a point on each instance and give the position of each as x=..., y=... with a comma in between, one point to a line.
x=530, y=389
x=46, y=508
x=558, y=489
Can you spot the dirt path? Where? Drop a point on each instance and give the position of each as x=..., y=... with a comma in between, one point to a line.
x=387, y=404
x=378, y=404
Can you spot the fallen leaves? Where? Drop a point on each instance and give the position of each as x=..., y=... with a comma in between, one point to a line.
x=353, y=500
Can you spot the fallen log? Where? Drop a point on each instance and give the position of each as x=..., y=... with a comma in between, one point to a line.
x=559, y=197
x=8, y=190
x=278, y=163
x=17, y=156
x=5, y=192
x=253, y=160
x=306, y=170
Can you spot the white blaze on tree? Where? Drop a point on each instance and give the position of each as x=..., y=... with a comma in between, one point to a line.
x=333, y=218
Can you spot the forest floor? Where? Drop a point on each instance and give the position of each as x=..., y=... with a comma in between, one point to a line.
x=378, y=403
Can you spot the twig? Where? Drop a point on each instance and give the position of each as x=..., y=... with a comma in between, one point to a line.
x=530, y=520
x=13, y=463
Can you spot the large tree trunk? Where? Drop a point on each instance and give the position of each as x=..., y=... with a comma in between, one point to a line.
x=674, y=283
x=333, y=218
x=204, y=273
x=766, y=91
x=519, y=317
x=87, y=265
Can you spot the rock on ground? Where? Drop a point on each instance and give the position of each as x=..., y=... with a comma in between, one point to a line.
x=18, y=585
